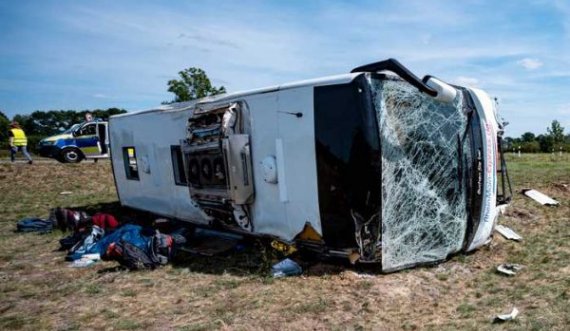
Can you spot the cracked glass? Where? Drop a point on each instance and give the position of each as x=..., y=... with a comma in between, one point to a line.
x=424, y=191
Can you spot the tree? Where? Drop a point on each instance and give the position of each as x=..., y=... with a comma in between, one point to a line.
x=530, y=147
x=545, y=142
x=556, y=132
x=47, y=123
x=4, y=127
x=528, y=137
x=193, y=84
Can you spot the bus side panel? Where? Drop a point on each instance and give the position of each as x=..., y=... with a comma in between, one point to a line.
x=268, y=212
x=297, y=134
x=151, y=135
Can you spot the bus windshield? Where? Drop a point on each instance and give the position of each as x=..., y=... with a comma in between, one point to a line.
x=425, y=152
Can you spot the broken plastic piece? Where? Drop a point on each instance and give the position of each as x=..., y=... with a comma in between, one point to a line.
x=541, y=198
x=506, y=317
x=353, y=257
x=509, y=269
x=286, y=268
x=86, y=260
x=241, y=217
x=309, y=233
x=93, y=256
x=507, y=232
x=283, y=247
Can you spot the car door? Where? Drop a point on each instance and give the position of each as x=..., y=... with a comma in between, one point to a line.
x=87, y=140
x=102, y=134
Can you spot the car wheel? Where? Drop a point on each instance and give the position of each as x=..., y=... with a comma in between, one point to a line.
x=71, y=155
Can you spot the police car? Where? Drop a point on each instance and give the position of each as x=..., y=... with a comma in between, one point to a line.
x=87, y=140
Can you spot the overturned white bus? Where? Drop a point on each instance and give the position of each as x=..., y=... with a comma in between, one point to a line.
x=376, y=164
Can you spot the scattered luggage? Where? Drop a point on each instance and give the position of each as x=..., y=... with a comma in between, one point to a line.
x=103, y=237
x=129, y=256
x=86, y=244
x=105, y=221
x=286, y=268
x=34, y=224
x=68, y=219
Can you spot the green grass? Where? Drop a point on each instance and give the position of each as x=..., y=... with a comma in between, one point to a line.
x=39, y=291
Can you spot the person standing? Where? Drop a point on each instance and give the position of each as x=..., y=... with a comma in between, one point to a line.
x=18, y=142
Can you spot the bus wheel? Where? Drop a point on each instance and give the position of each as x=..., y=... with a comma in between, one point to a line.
x=71, y=155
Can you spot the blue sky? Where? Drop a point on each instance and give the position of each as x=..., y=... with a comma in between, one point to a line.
x=100, y=54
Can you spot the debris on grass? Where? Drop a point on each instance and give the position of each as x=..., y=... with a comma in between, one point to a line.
x=562, y=186
x=509, y=269
x=65, y=193
x=286, y=268
x=508, y=232
x=353, y=257
x=283, y=247
x=506, y=317
x=85, y=261
x=353, y=275
x=539, y=197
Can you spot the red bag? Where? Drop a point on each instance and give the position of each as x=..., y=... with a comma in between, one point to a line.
x=105, y=221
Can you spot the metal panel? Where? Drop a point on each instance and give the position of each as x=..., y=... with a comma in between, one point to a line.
x=236, y=148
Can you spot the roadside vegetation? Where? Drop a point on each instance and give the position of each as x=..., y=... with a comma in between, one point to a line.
x=39, y=291
x=553, y=141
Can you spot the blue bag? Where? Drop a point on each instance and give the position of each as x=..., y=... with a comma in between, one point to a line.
x=34, y=224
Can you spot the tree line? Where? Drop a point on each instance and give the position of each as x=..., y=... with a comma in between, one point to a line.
x=553, y=140
x=41, y=124
x=193, y=84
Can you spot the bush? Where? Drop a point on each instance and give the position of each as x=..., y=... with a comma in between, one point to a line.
x=33, y=142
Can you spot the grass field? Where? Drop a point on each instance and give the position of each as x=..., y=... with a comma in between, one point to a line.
x=39, y=291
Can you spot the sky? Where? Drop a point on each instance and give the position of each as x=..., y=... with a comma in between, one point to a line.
x=100, y=54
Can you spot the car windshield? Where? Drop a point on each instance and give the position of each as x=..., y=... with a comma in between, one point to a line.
x=424, y=187
x=72, y=128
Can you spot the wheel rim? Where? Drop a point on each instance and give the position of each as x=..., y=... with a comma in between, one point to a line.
x=71, y=156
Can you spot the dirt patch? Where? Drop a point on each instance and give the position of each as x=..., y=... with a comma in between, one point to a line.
x=520, y=213
x=563, y=187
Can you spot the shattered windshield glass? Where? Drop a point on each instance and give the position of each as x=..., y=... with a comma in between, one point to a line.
x=424, y=192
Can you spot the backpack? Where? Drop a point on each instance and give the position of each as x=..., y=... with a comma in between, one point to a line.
x=105, y=221
x=161, y=248
x=31, y=224
x=129, y=256
x=67, y=219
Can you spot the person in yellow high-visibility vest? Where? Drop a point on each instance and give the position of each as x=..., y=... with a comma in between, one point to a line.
x=18, y=142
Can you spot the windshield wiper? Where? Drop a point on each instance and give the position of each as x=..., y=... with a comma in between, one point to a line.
x=396, y=67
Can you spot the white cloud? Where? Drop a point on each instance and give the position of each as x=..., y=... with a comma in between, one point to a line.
x=100, y=96
x=530, y=64
x=467, y=81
